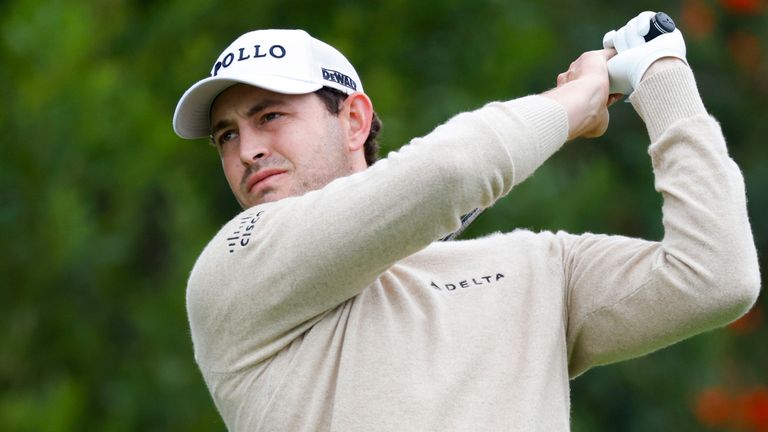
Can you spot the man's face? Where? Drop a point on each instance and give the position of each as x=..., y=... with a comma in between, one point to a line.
x=274, y=146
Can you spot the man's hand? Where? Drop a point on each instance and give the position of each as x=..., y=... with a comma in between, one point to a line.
x=636, y=54
x=583, y=91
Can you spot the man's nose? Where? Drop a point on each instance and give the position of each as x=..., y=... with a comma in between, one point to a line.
x=253, y=147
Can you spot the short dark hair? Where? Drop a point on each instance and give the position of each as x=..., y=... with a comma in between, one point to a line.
x=332, y=99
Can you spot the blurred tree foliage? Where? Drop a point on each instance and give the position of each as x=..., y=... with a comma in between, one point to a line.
x=104, y=209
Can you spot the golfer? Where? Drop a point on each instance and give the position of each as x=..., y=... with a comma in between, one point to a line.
x=329, y=304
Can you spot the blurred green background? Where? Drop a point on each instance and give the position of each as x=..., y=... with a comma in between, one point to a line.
x=104, y=209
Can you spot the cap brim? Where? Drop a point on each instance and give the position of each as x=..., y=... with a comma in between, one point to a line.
x=192, y=117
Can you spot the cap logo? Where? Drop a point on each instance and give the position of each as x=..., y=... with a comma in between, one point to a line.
x=339, y=78
x=275, y=51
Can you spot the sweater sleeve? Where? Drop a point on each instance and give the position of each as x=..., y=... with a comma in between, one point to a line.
x=275, y=269
x=628, y=297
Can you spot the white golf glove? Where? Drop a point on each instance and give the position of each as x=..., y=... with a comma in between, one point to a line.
x=635, y=55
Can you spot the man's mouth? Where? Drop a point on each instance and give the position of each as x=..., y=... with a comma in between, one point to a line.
x=261, y=178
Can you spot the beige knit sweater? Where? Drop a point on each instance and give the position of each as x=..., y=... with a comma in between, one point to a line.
x=337, y=310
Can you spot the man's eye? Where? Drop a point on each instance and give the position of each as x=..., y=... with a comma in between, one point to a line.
x=226, y=137
x=268, y=117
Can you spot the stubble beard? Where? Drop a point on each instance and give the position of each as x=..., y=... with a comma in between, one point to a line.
x=327, y=162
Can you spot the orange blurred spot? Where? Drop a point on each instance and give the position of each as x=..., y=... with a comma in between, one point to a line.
x=749, y=322
x=714, y=407
x=743, y=6
x=698, y=18
x=754, y=408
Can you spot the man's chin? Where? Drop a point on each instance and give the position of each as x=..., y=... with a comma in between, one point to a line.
x=252, y=201
x=248, y=200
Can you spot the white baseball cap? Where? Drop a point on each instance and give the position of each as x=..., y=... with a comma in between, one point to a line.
x=282, y=61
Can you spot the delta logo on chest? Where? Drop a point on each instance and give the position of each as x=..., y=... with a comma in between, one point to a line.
x=473, y=282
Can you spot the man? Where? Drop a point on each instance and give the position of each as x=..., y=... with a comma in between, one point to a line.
x=327, y=304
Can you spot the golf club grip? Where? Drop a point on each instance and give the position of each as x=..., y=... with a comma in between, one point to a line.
x=661, y=23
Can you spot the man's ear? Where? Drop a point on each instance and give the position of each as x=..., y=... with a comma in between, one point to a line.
x=357, y=110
